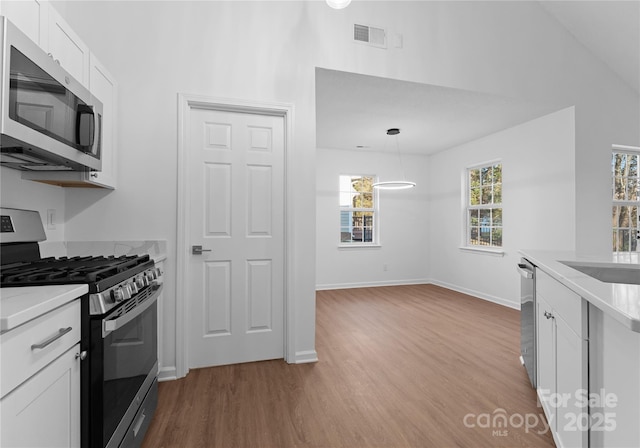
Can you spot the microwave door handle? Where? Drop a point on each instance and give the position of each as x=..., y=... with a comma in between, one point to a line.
x=83, y=110
x=109, y=325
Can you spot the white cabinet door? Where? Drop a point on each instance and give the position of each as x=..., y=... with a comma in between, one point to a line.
x=572, y=420
x=45, y=410
x=66, y=47
x=546, y=351
x=30, y=16
x=104, y=87
x=563, y=357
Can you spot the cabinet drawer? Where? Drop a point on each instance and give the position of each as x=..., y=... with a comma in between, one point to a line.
x=564, y=302
x=21, y=355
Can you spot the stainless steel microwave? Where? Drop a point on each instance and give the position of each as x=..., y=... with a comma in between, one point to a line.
x=49, y=121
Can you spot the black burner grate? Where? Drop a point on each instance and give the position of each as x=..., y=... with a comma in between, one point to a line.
x=101, y=272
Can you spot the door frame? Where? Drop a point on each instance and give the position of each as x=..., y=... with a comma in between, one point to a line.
x=186, y=103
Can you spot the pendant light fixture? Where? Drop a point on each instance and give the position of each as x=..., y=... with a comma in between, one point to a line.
x=395, y=184
x=338, y=4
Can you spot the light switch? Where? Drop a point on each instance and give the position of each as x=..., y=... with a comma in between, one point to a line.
x=51, y=219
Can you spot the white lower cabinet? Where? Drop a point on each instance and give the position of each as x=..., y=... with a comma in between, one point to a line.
x=44, y=411
x=563, y=361
x=40, y=381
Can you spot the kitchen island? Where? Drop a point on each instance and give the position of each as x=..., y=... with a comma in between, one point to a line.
x=588, y=347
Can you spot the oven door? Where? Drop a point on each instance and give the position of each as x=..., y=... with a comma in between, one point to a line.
x=128, y=365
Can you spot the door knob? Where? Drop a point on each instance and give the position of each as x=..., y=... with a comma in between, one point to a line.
x=197, y=250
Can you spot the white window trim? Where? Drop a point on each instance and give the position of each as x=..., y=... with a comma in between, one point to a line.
x=359, y=246
x=617, y=149
x=376, y=219
x=484, y=250
x=464, y=188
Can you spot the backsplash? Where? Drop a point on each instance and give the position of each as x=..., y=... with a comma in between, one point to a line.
x=156, y=249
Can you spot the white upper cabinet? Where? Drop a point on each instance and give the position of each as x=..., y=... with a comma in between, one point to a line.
x=66, y=48
x=40, y=21
x=104, y=87
x=31, y=16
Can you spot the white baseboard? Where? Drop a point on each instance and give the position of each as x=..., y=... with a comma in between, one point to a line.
x=170, y=373
x=305, y=357
x=371, y=284
x=167, y=374
x=478, y=294
x=471, y=292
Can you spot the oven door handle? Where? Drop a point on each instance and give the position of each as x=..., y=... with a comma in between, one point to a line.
x=113, y=324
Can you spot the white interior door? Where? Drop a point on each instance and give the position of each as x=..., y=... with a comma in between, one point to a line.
x=236, y=204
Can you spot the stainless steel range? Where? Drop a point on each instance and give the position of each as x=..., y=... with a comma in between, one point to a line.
x=119, y=327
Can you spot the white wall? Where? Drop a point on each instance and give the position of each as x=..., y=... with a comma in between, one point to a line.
x=403, y=222
x=16, y=193
x=538, y=204
x=268, y=51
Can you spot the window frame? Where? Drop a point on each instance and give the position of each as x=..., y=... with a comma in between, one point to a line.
x=466, y=244
x=375, y=235
x=633, y=150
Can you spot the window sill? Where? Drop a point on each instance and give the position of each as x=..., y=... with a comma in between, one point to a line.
x=482, y=250
x=359, y=246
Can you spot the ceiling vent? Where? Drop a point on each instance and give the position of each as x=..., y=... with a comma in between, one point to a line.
x=370, y=35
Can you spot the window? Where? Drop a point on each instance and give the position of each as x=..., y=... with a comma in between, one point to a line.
x=484, y=206
x=626, y=199
x=358, y=210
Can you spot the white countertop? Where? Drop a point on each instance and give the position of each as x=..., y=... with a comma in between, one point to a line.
x=620, y=301
x=21, y=304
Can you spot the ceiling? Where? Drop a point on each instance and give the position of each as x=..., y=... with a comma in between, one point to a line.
x=354, y=111
x=609, y=29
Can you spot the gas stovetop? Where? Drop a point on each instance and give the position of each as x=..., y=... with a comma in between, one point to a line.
x=111, y=280
x=99, y=273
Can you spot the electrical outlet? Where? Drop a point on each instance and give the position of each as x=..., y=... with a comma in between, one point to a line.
x=397, y=40
x=51, y=219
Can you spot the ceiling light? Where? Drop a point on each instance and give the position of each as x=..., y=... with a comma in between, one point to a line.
x=395, y=184
x=338, y=4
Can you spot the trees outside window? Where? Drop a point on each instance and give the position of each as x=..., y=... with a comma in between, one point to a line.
x=484, y=206
x=358, y=210
x=626, y=200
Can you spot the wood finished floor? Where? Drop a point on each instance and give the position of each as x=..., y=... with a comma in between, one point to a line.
x=399, y=367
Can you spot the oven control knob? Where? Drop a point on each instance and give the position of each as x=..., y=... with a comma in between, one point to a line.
x=126, y=292
x=117, y=295
x=134, y=288
x=140, y=283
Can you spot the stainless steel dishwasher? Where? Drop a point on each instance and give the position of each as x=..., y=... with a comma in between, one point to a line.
x=528, y=318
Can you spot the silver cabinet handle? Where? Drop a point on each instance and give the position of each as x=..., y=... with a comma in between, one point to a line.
x=82, y=355
x=53, y=338
x=548, y=315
